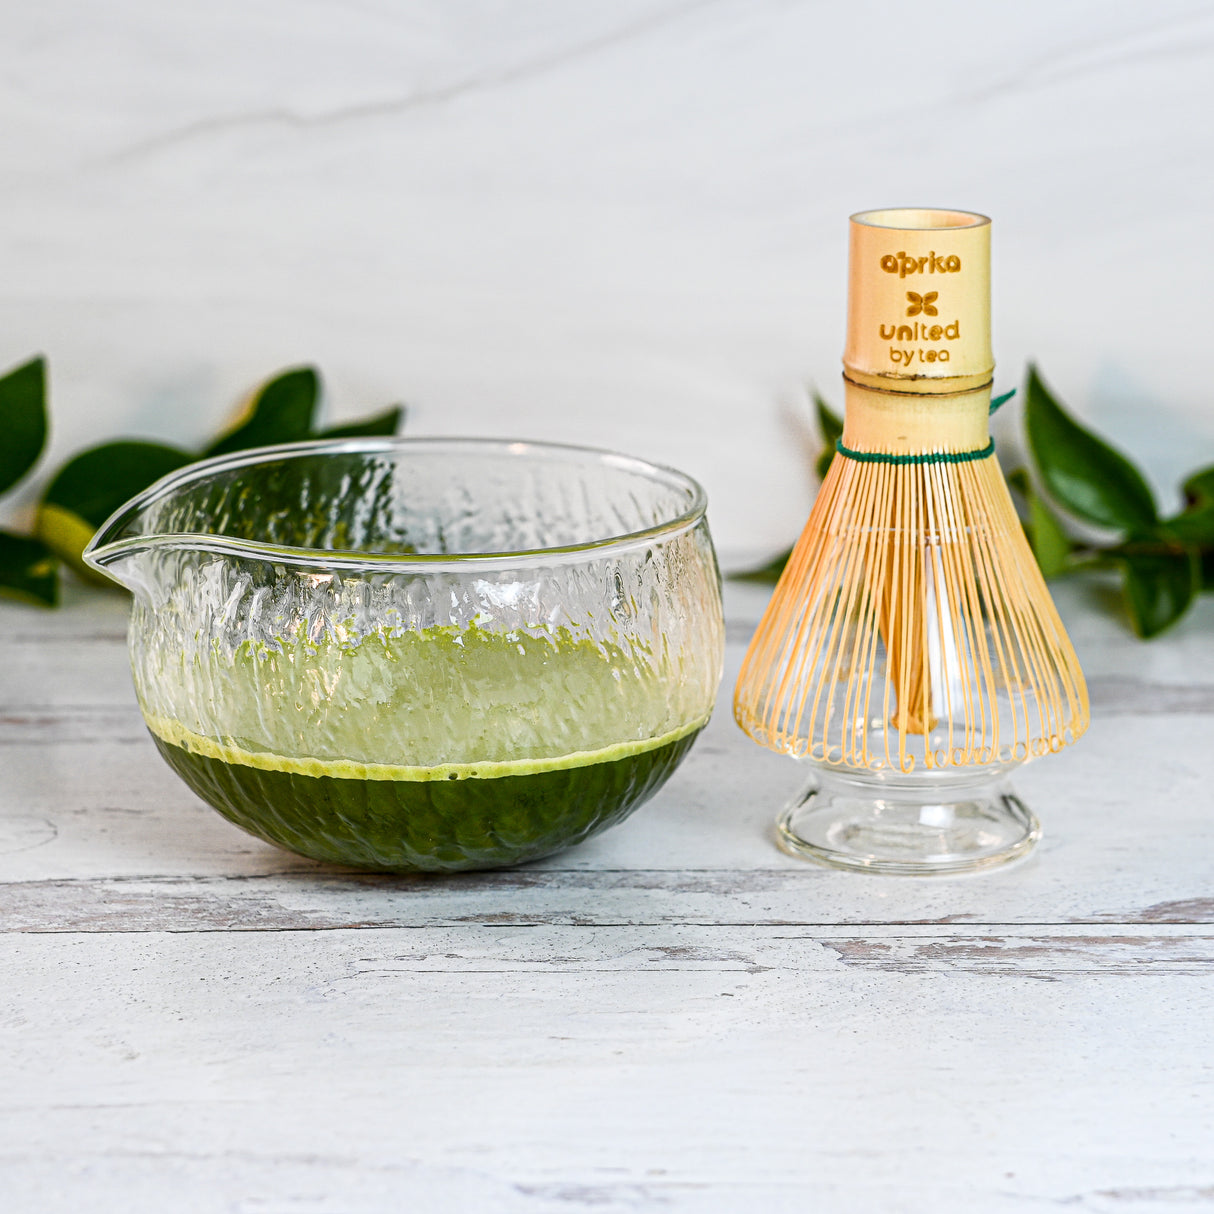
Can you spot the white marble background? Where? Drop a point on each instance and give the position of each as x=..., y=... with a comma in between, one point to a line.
x=619, y=223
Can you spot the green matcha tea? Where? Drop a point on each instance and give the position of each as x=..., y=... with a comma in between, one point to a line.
x=436, y=750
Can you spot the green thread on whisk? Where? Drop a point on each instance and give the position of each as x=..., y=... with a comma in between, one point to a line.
x=932, y=457
x=1000, y=401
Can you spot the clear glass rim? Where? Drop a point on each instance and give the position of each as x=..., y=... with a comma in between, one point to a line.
x=102, y=550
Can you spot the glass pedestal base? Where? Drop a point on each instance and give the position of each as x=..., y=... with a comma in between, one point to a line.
x=917, y=824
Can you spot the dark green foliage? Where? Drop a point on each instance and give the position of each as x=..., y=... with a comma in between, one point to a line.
x=281, y=412
x=1161, y=560
x=93, y=484
x=1084, y=475
x=378, y=425
x=28, y=570
x=1159, y=586
x=1195, y=523
x=831, y=426
x=22, y=420
x=96, y=482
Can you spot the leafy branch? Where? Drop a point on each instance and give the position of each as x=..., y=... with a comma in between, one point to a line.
x=1077, y=478
x=28, y=569
x=83, y=493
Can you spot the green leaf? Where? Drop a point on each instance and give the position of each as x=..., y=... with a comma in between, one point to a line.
x=281, y=412
x=1159, y=587
x=1018, y=478
x=28, y=570
x=1049, y=542
x=22, y=420
x=1195, y=524
x=1051, y=546
x=831, y=426
x=1207, y=571
x=96, y=482
x=1081, y=472
x=378, y=424
x=1199, y=488
x=91, y=486
x=767, y=573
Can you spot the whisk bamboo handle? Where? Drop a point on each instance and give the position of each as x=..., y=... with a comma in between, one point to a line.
x=899, y=423
x=919, y=301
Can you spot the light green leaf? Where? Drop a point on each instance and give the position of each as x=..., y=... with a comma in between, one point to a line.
x=22, y=420
x=1049, y=542
x=1051, y=546
x=28, y=570
x=1081, y=472
x=282, y=411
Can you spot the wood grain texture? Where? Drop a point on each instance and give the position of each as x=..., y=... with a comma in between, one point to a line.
x=693, y=1068
x=327, y=900
x=672, y=1017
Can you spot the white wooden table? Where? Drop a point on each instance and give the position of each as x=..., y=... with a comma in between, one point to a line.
x=672, y=1017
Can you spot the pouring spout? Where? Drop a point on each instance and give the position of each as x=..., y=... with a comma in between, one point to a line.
x=120, y=563
x=119, y=549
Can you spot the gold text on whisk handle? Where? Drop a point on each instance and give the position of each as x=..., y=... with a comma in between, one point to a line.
x=905, y=355
x=921, y=332
x=902, y=264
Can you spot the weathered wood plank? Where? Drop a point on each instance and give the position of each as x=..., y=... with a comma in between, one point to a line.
x=90, y=724
x=891, y=949
x=669, y=1068
x=1044, y=955
x=673, y=1017
x=329, y=901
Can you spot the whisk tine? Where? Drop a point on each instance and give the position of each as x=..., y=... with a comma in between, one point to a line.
x=913, y=580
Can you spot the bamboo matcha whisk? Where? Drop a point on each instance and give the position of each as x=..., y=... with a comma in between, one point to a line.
x=911, y=650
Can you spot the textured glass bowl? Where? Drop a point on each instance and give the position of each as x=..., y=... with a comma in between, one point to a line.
x=421, y=653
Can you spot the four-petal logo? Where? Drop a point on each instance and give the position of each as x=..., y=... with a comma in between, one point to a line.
x=922, y=303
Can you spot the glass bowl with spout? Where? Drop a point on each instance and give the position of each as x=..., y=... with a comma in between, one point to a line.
x=421, y=654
